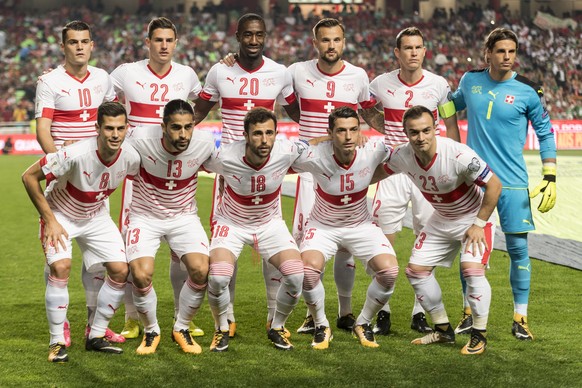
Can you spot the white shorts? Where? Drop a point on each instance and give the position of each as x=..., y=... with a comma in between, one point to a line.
x=391, y=202
x=184, y=234
x=364, y=241
x=98, y=238
x=304, y=200
x=439, y=242
x=267, y=240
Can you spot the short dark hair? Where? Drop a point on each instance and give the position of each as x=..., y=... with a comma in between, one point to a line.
x=408, y=31
x=258, y=115
x=75, y=25
x=177, y=106
x=327, y=23
x=343, y=112
x=500, y=33
x=110, y=109
x=249, y=17
x=163, y=23
x=414, y=113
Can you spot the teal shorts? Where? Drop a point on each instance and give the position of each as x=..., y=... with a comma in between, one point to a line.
x=515, y=211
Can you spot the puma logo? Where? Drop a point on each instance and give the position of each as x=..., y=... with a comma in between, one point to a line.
x=238, y=179
x=152, y=159
x=493, y=94
x=140, y=84
x=113, y=308
x=312, y=83
x=87, y=174
x=476, y=297
x=420, y=298
x=231, y=79
x=351, y=266
x=391, y=92
x=67, y=92
x=63, y=307
x=327, y=176
x=278, y=280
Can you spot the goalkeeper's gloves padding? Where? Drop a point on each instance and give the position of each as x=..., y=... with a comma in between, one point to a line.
x=547, y=187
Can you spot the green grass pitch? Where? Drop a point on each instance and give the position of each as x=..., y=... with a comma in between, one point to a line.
x=553, y=359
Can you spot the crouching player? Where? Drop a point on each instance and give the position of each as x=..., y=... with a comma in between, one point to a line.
x=79, y=179
x=164, y=206
x=250, y=213
x=340, y=217
x=451, y=177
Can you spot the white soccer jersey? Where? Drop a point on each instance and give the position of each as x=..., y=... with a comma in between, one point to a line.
x=450, y=182
x=319, y=93
x=78, y=181
x=252, y=194
x=239, y=90
x=166, y=184
x=146, y=93
x=72, y=103
x=340, y=191
x=396, y=97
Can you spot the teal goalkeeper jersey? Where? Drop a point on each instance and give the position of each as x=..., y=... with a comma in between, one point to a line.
x=498, y=114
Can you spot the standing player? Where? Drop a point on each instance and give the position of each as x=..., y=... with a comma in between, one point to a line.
x=80, y=177
x=67, y=99
x=250, y=213
x=322, y=85
x=500, y=104
x=164, y=207
x=146, y=86
x=397, y=91
x=463, y=191
x=254, y=80
x=340, y=217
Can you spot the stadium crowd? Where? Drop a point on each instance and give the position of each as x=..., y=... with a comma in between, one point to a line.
x=29, y=45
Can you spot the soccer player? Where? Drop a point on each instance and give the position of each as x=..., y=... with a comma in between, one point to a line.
x=67, y=99
x=500, y=103
x=146, y=86
x=321, y=85
x=164, y=207
x=463, y=191
x=397, y=91
x=80, y=177
x=254, y=80
x=340, y=217
x=250, y=213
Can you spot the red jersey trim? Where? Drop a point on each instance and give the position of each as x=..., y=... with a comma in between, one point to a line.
x=340, y=200
x=252, y=200
x=330, y=74
x=156, y=74
x=80, y=80
x=410, y=85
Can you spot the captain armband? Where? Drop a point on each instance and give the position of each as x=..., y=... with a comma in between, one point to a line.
x=447, y=109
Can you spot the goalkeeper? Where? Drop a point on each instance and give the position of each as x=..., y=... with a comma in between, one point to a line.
x=499, y=104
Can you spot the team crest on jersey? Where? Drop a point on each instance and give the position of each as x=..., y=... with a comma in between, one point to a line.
x=443, y=179
x=364, y=172
x=509, y=99
x=179, y=86
x=349, y=87
x=474, y=165
x=192, y=162
x=269, y=81
x=278, y=174
x=98, y=89
x=121, y=174
x=428, y=96
x=477, y=89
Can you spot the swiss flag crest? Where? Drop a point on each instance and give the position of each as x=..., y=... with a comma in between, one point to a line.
x=509, y=99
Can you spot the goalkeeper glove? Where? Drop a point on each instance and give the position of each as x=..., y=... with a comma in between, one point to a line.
x=547, y=187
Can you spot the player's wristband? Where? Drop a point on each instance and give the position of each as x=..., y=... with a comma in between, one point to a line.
x=447, y=109
x=479, y=222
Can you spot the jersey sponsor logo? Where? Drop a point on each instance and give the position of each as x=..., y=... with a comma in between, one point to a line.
x=140, y=84
x=493, y=94
x=474, y=165
x=509, y=99
x=476, y=89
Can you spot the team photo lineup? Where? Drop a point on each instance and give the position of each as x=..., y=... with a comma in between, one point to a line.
x=135, y=129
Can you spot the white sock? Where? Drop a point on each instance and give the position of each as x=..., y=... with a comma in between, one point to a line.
x=314, y=295
x=219, y=279
x=479, y=296
x=178, y=277
x=344, y=273
x=379, y=292
x=191, y=298
x=92, y=283
x=146, y=302
x=429, y=294
x=231, y=290
x=273, y=280
x=130, y=310
x=289, y=291
x=57, y=304
x=108, y=301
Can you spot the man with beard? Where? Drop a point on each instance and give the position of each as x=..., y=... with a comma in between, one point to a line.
x=322, y=85
x=164, y=207
x=254, y=80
